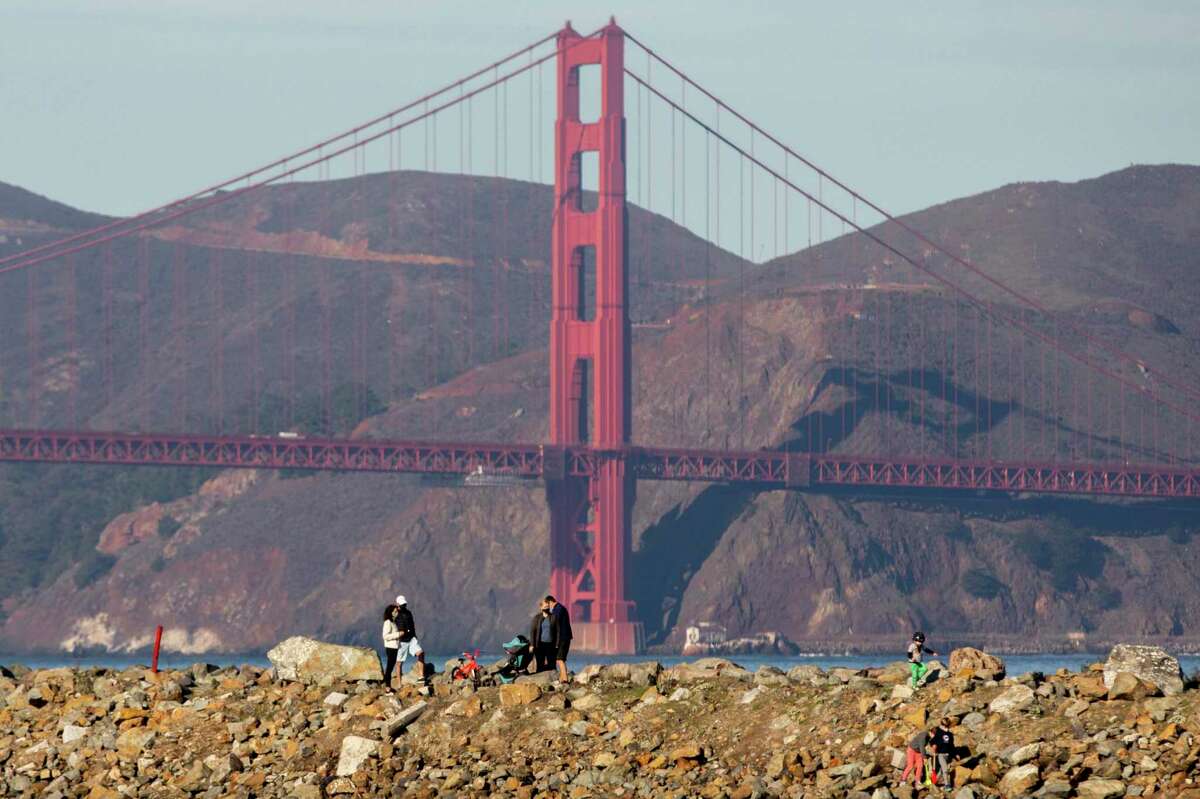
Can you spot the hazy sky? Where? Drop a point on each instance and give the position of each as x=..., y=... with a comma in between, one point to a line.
x=118, y=105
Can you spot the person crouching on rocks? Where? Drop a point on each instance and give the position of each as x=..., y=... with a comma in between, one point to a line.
x=916, y=652
x=943, y=745
x=914, y=758
x=409, y=645
x=391, y=643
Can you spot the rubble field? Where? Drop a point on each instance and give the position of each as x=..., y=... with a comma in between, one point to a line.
x=708, y=728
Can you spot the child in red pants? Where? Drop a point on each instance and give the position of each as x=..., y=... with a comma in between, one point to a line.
x=914, y=760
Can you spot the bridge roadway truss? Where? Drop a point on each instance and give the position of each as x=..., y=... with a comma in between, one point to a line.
x=764, y=469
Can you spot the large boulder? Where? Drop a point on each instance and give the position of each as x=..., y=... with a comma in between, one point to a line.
x=1020, y=780
x=1151, y=664
x=355, y=751
x=308, y=660
x=977, y=661
x=1014, y=699
x=519, y=693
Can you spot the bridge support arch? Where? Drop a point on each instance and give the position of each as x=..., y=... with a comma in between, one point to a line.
x=590, y=518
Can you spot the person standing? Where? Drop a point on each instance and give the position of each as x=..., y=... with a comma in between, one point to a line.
x=541, y=639
x=391, y=643
x=561, y=627
x=916, y=654
x=409, y=645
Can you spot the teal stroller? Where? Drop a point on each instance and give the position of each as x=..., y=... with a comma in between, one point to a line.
x=519, y=654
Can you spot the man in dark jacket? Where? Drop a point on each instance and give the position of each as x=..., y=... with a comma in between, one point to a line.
x=550, y=635
x=541, y=639
x=409, y=645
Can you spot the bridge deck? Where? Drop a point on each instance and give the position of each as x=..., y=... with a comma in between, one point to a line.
x=767, y=469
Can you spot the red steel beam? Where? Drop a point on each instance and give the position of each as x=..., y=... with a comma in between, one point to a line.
x=271, y=452
x=789, y=470
x=765, y=469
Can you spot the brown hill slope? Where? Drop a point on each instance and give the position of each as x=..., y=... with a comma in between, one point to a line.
x=1123, y=239
x=258, y=557
x=303, y=307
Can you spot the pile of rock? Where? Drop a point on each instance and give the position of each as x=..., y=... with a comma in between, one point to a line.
x=709, y=728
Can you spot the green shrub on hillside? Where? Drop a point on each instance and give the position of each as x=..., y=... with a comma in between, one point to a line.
x=168, y=526
x=979, y=583
x=93, y=567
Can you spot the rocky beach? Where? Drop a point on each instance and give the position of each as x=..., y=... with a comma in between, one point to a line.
x=319, y=723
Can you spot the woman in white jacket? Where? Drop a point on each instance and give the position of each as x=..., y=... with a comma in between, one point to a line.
x=391, y=643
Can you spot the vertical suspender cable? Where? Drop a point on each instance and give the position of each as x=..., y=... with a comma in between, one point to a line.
x=107, y=301
x=32, y=353
x=739, y=416
x=708, y=245
x=144, y=333
x=179, y=334
x=73, y=355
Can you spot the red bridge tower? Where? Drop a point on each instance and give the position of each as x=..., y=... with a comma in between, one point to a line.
x=590, y=518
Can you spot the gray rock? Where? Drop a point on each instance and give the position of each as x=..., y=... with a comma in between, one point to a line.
x=842, y=675
x=355, y=751
x=170, y=691
x=542, y=678
x=1100, y=789
x=1149, y=663
x=805, y=674
x=1024, y=754
x=1020, y=780
x=335, y=699
x=973, y=720
x=104, y=687
x=645, y=673
x=196, y=778
x=308, y=660
x=590, y=672
x=851, y=770
x=589, y=701
x=769, y=675
x=1014, y=699
x=398, y=723
x=1055, y=787
x=72, y=733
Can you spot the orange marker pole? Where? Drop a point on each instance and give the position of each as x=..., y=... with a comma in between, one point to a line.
x=157, y=644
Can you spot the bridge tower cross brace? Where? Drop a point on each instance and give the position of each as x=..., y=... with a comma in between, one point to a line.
x=590, y=404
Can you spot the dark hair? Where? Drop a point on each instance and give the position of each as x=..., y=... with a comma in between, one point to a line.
x=549, y=598
x=387, y=612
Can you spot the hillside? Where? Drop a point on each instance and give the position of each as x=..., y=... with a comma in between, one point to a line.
x=255, y=556
x=306, y=307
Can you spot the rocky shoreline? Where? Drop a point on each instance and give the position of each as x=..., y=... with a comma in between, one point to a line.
x=1128, y=727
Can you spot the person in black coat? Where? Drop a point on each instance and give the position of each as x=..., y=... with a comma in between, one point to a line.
x=541, y=640
x=550, y=635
